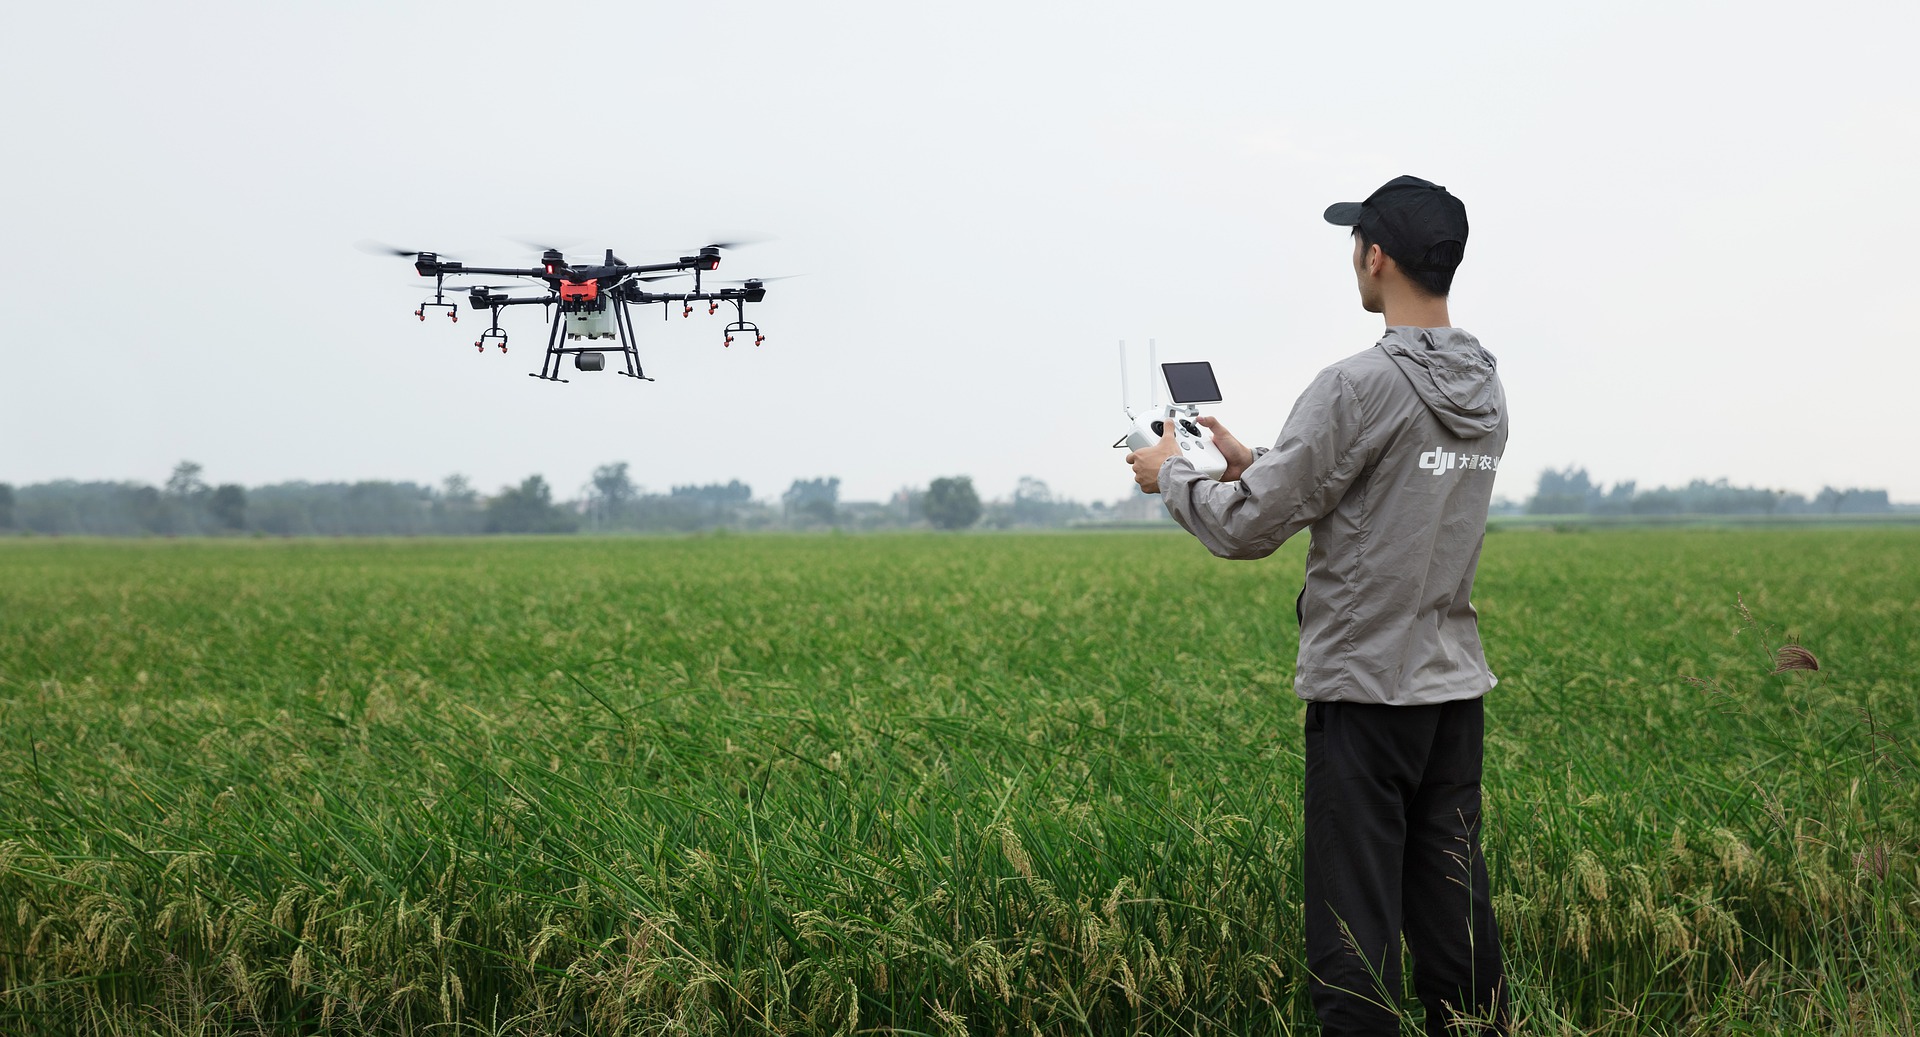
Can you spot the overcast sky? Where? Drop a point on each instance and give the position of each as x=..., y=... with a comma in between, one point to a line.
x=1692, y=250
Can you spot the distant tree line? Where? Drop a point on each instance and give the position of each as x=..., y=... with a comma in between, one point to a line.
x=1571, y=492
x=611, y=501
x=186, y=505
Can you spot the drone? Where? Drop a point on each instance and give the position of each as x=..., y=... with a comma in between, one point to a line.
x=587, y=305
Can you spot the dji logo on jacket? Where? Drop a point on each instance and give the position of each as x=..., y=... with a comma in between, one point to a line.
x=1444, y=461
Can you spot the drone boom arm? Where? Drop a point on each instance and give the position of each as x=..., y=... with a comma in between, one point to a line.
x=654, y=268
x=495, y=271
x=481, y=302
x=722, y=295
x=733, y=295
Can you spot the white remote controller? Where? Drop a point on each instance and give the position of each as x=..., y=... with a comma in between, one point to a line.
x=1189, y=385
x=1195, y=440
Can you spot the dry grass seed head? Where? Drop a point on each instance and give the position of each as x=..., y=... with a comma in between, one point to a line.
x=1794, y=657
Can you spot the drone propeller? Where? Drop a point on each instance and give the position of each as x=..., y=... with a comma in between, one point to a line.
x=742, y=243
x=762, y=280
x=449, y=286
x=662, y=277
x=380, y=248
x=544, y=245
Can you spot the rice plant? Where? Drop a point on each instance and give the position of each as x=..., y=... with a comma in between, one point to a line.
x=913, y=784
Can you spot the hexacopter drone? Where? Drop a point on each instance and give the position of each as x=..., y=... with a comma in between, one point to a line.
x=591, y=301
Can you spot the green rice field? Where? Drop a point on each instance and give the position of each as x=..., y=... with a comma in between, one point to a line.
x=913, y=784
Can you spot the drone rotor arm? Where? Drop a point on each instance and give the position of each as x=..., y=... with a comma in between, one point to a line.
x=494, y=271
x=503, y=300
x=686, y=263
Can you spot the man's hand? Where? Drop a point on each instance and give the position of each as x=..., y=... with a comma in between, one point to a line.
x=1237, y=454
x=1146, y=463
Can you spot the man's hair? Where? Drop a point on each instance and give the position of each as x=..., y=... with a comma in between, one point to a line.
x=1435, y=282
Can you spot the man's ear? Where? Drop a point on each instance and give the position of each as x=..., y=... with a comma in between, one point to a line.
x=1376, y=259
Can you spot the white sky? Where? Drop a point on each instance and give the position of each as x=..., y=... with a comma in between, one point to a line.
x=1693, y=228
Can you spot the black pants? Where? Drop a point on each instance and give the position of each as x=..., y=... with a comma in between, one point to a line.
x=1393, y=845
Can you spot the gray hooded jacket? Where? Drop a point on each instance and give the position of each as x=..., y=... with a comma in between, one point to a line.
x=1388, y=458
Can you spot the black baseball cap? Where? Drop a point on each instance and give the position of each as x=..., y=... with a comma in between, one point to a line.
x=1413, y=220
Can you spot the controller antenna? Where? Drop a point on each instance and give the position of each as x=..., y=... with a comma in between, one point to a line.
x=1126, y=394
x=1153, y=375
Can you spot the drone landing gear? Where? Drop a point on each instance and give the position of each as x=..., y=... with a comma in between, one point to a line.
x=453, y=312
x=623, y=323
x=590, y=357
x=550, y=366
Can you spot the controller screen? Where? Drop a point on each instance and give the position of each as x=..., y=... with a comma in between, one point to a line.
x=1192, y=383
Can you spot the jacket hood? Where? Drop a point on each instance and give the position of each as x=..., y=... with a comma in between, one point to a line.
x=1453, y=376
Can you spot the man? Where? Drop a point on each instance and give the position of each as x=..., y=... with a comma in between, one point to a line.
x=1388, y=458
